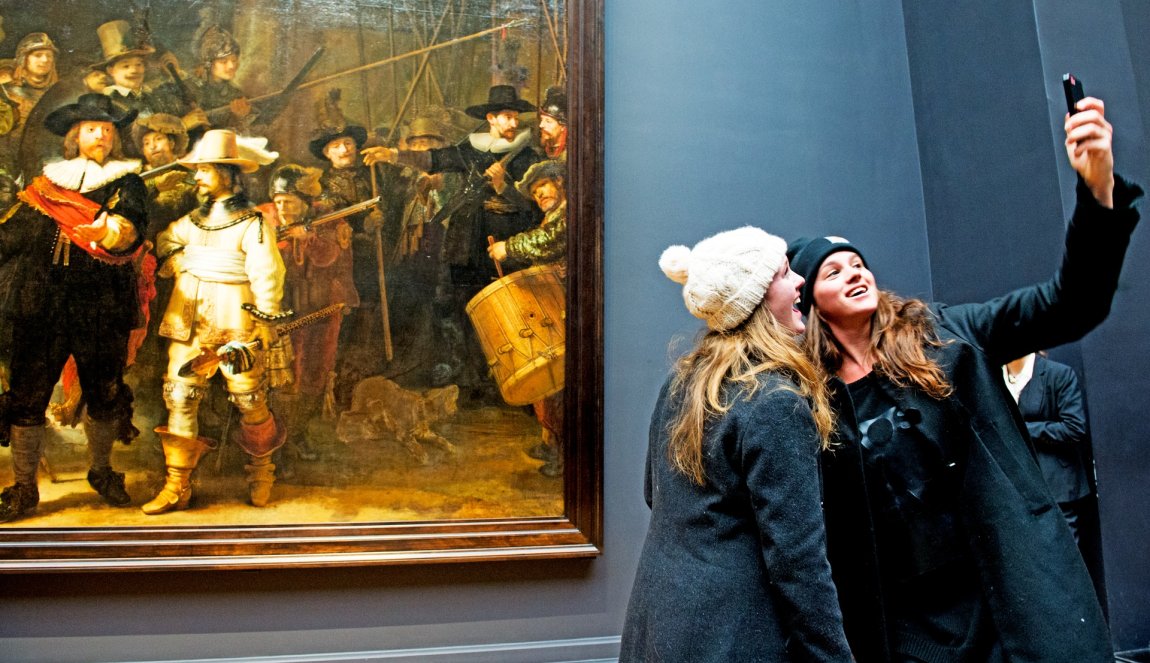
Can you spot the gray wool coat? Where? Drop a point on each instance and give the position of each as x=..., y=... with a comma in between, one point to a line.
x=736, y=569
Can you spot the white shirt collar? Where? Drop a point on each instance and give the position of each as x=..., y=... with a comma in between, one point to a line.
x=1021, y=378
x=125, y=92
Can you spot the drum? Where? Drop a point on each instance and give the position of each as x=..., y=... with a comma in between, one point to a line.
x=521, y=320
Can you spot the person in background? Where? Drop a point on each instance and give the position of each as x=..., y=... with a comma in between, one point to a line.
x=944, y=541
x=33, y=73
x=1052, y=406
x=734, y=566
x=543, y=245
x=553, y=123
x=126, y=65
x=319, y=274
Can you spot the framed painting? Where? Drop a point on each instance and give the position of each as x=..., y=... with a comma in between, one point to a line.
x=299, y=283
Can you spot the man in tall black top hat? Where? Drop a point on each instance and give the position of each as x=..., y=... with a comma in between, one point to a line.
x=68, y=247
x=488, y=205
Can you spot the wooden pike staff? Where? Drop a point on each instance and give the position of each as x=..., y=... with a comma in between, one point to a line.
x=394, y=58
x=387, y=350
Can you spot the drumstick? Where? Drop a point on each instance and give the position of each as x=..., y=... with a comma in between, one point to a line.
x=498, y=266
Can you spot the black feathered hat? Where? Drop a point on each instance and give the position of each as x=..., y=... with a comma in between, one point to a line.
x=500, y=97
x=327, y=134
x=88, y=108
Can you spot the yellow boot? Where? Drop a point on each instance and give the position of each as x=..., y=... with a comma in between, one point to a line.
x=181, y=454
x=261, y=474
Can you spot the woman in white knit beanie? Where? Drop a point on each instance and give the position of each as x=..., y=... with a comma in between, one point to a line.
x=734, y=567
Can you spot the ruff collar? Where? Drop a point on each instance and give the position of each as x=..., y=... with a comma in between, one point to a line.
x=84, y=175
x=485, y=142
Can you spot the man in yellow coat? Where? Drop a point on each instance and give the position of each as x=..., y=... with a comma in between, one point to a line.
x=223, y=255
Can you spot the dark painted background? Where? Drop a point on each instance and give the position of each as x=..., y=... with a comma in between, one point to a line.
x=928, y=133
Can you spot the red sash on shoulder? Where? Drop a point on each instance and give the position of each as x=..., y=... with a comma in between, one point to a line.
x=68, y=209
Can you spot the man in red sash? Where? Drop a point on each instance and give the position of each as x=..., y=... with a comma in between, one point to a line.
x=68, y=247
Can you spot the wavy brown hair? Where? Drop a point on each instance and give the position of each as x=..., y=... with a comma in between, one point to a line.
x=72, y=145
x=738, y=356
x=901, y=332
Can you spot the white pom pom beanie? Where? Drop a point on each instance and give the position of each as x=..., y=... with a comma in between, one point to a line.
x=726, y=276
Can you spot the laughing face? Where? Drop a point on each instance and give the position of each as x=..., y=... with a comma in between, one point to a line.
x=844, y=288
x=783, y=299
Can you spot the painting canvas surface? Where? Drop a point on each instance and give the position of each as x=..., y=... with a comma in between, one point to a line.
x=430, y=386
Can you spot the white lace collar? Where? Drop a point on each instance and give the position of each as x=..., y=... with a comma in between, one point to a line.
x=84, y=175
x=498, y=145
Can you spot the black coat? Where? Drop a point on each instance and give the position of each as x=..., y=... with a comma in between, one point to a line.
x=483, y=212
x=1052, y=407
x=736, y=570
x=1041, y=599
x=34, y=282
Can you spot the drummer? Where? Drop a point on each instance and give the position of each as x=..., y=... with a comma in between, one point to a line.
x=543, y=245
x=547, y=243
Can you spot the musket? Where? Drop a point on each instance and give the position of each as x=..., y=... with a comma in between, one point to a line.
x=240, y=354
x=332, y=216
x=294, y=84
x=186, y=94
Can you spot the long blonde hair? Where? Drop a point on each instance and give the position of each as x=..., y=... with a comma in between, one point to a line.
x=738, y=356
x=901, y=332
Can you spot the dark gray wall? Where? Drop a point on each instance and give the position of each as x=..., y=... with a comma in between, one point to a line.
x=799, y=117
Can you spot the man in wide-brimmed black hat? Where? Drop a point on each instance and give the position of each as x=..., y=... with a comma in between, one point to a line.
x=487, y=206
x=71, y=241
x=347, y=181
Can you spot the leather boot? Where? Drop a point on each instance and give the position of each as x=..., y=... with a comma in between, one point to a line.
x=108, y=483
x=181, y=455
x=260, y=441
x=20, y=500
x=261, y=474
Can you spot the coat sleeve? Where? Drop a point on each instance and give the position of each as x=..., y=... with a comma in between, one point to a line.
x=131, y=204
x=1065, y=420
x=1066, y=307
x=264, y=265
x=779, y=449
x=545, y=243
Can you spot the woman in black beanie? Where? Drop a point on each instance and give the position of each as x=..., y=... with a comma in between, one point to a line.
x=944, y=543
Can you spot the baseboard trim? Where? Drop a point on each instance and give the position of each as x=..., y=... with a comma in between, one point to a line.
x=577, y=650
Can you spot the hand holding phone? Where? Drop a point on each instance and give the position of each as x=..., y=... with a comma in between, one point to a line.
x=1072, y=88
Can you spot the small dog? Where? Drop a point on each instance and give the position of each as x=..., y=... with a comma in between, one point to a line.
x=381, y=410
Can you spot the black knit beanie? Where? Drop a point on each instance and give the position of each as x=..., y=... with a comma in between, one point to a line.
x=807, y=255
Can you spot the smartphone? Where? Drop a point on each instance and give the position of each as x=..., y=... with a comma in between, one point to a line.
x=1072, y=88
